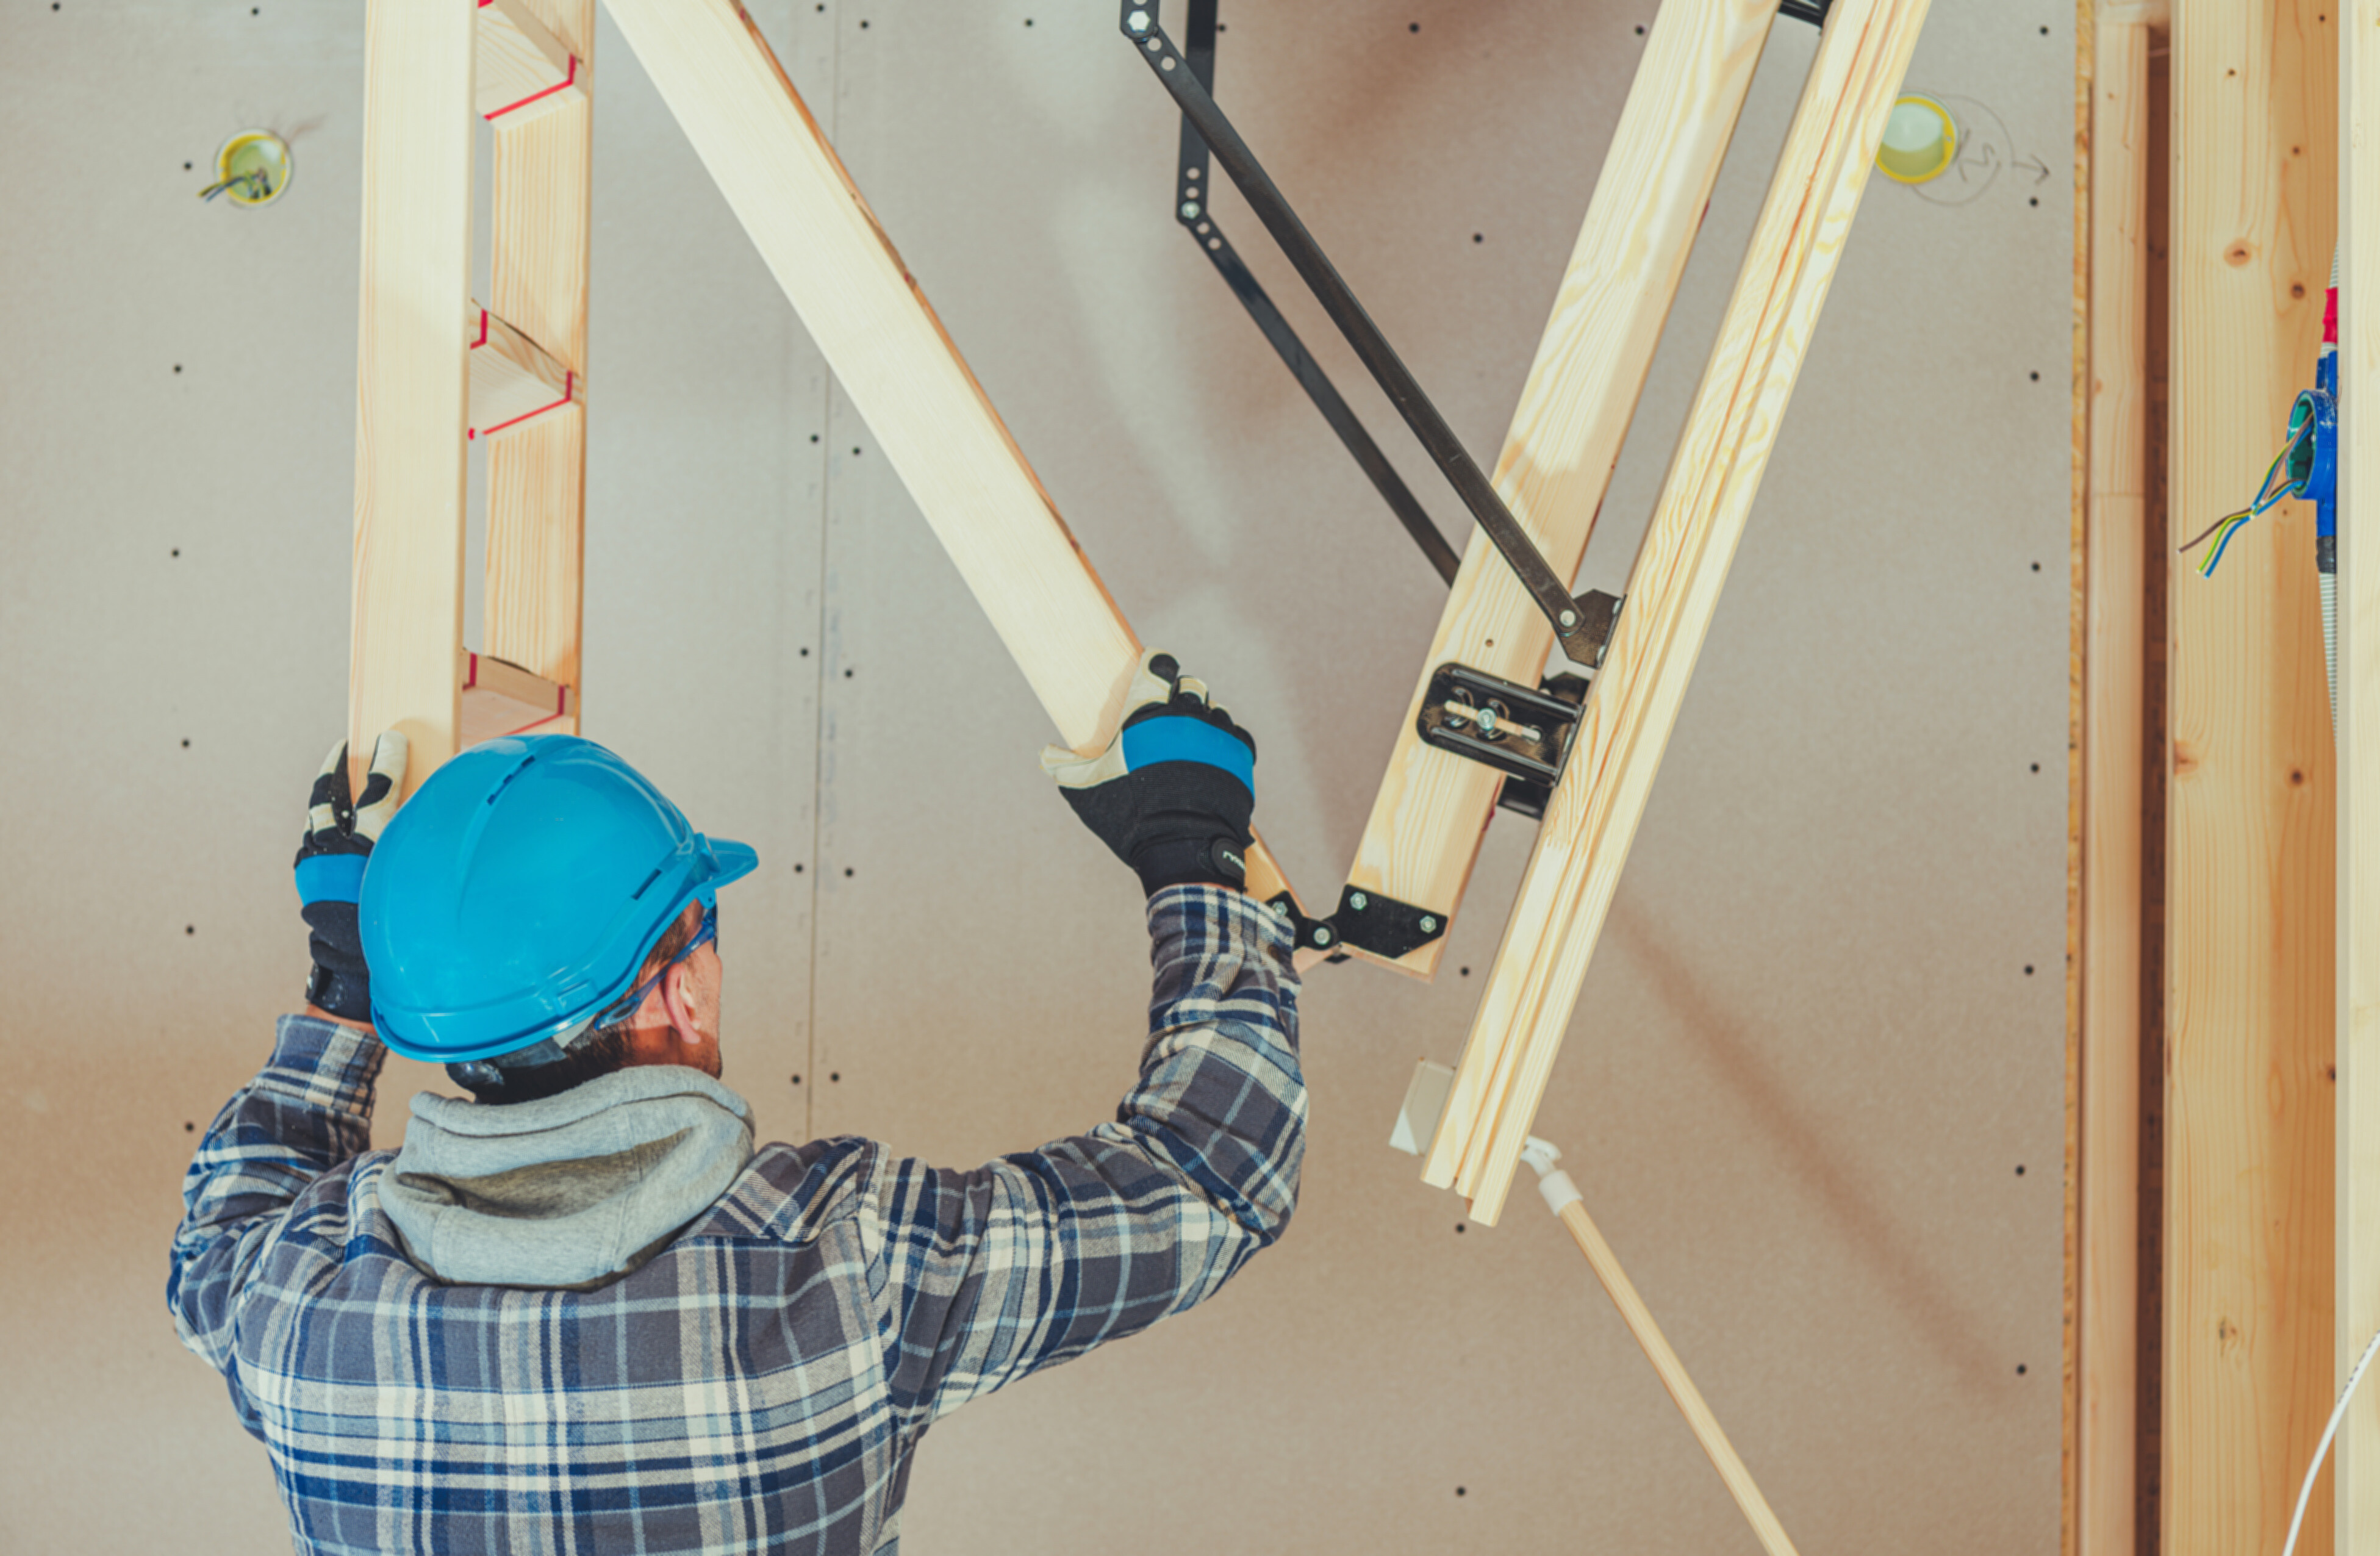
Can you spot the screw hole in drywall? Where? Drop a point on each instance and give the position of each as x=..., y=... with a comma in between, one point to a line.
x=848, y=872
x=1458, y=1229
x=1412, y=27
x=814, y=437
x=2035, y=377
x=806, y=653
x=178, y=550
x=2028, y=969
x=797, y=870
x=2020, y=1370
x=797, y=1080
x=186, y=745
x=847, y=674
x=1478, y=237
x=1462, y=1491
x=1467, y=972
x=2020, y=1169
x=190, y=928
x=836, y=1075
x=1640, y=32
x=189, y=1127
x=2036, y=767
x=2037, y=566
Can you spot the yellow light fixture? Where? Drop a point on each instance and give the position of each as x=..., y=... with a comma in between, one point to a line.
x=1920, y=140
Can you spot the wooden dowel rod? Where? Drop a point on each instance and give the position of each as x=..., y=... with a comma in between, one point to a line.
x=1689, y=1399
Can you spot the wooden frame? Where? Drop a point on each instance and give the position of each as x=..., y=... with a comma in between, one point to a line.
x=2103, y=1483
x=2247, y=1285
x=2358, y=735
x=1673, y=591
x=1434, y=806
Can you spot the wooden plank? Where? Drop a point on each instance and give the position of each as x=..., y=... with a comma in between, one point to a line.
x=1433, y=806
x=2358, y=1017
x=1673, y=592
x=537, y=481
x=901, y=368
x=2249, y=915
x=514, y=384
x=411, y=379
x=2106, y=1276
x=525, y=70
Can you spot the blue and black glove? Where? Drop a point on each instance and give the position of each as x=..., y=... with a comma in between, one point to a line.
x=339, y=837
x=1172, y=794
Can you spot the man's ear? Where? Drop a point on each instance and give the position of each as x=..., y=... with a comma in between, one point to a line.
x=677, y=997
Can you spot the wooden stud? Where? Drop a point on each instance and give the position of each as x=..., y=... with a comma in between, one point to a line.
x=2115, y=655
x=1434, y=806
x=1673, y=592
x=883, y=342
x=2251, y=819
x=536, y=479
x=2358, y=1164
x=514, y=384
x=412, y=397
x=526, y=70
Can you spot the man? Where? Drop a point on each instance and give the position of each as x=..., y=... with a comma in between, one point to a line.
x=580, y=1312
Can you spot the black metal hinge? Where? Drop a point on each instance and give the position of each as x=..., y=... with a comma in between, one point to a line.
x=1365, y=922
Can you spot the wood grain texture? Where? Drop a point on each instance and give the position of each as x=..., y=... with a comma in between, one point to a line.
x=2104, y=1394
x=2358, y=1164
x=1672, y=595
x=412, y=395
x=1433, y=808
x=878, y=333
x=1675, y=1378
x=534, y=609
x=525, y=70
x=900, y=366
x=514, y=384
x=2247, y=1340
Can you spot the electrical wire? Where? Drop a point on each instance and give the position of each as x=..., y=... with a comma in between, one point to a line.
x=2268, y=496
x=2322, y=1450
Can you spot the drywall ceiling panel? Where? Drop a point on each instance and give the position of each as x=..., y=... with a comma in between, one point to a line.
x=1811, y=1058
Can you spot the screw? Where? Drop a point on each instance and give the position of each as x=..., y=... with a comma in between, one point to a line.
x=1570, y=618
x=1428, y=925
x=1189, y=209
x=1358, y=901
x=1321, y=934
x=1137, y=23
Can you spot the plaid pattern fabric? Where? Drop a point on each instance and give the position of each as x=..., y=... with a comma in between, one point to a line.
x=761, y=1383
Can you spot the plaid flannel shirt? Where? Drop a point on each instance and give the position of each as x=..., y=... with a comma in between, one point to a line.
x=762, y=1383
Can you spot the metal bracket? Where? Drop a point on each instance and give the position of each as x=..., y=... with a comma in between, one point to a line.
x=1191, y=185
x=1179, y=75
x=1365, y=922
x=1812, y=11
x=1519, y=731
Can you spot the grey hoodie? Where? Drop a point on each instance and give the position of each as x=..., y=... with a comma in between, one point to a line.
x=568, y=1191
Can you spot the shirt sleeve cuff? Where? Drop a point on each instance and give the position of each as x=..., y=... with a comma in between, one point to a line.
x=1219, y=954
x=323, y=1065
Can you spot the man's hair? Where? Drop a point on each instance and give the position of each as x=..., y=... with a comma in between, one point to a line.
x=596, y=1052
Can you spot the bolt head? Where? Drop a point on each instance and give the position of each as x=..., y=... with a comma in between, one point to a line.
x=1357, y=901
x=1428, y=925
x=1189, y=209
x=1570, y=618
x=1321, y=934
x=1137, y=21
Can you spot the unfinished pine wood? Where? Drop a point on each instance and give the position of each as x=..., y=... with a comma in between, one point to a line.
x=1434, y=806
x=2358, y=1016
x=2114, y=652
x=901, y=368
x=1676, y=1380
x=525, y=70
x=1672, y=595
x=411, y=380
x=514, y=384
x=2249, y=915
x=534, y=604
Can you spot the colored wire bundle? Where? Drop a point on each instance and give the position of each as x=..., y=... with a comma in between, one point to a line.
x=2292, y=484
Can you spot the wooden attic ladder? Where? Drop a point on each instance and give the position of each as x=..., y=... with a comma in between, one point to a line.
x=437, y=371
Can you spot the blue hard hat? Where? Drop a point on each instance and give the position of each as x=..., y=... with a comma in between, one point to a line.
x=518, y=893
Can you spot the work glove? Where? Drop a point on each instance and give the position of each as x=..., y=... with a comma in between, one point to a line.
x=1172, y=791
x=339, y=837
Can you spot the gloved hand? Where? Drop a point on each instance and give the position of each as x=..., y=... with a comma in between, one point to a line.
x=339, y=838
x=1172, y=791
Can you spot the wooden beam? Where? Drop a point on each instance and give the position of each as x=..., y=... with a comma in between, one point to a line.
x=526, y=70
x=2358, y=994
x=1433, y=806
x=411, y=390
x=2249, y=915
x=2115, y=656
x=537, y=479
x=1674, y=593
x=880, y=337
x=514, y=384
